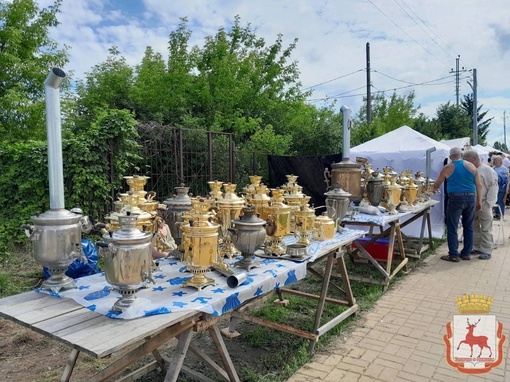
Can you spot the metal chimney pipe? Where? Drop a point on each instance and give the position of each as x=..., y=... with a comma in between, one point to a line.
x=428, y=160
x=346, y=138
x=54, y=135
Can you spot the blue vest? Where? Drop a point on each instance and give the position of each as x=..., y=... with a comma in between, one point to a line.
x=461, y=180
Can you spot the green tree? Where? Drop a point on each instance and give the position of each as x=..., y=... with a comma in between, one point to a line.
x=483, y=126
x=501, y=146
x=26, y=56
x=387, y=115
x=452, y=122
x=107, y=86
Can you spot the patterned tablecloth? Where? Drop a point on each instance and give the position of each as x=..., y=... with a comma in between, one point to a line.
x=167, y=295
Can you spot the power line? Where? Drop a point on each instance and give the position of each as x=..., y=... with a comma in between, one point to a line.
x=334, y=79
x=407, y=34
x=423, y=22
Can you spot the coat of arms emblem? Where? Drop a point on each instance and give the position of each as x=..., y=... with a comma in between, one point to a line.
x=474, y=339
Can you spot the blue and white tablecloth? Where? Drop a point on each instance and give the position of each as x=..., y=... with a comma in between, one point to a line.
x=168, y=295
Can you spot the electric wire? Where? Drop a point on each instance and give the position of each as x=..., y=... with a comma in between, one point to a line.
x=407, y=34
x=333, y=79
x=418, y=17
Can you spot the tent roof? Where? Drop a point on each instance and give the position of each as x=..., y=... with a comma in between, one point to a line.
x=457, y=142
x=400, y=140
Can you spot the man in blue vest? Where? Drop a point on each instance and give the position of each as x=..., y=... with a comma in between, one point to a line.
x=464, y=189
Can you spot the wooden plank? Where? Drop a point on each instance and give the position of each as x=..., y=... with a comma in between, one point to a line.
x=175, y=363
x=27, y=306
x=214, y=331
x=315, y=296
x=195, y=375
x=20, y=298
x=208, y=361
x=276, y=326
x=138, y=373
x=102, y=336
x=64, y=321
x=47, y=312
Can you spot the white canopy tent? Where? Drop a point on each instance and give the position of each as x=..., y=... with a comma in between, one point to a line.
x=462, y=143
x=483, y=152
x=403, y=149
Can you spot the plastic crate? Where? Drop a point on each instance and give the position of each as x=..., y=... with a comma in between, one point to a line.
x=378, y=249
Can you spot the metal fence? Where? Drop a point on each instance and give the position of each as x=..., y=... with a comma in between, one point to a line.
x=174, y=156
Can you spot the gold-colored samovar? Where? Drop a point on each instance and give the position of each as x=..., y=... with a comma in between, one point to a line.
x=249, y=189
x=393, y=192
x=277, y=216
x=215, y=186
x=260, y=199
x=305, y=222
x=130, y=203
x=229, y=208
x=410, y=189
x=200, y=244
x=293, y=197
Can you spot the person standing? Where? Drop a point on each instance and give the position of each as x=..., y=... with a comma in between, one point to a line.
x=482, y=225
x=464, y=189
x=503, y=173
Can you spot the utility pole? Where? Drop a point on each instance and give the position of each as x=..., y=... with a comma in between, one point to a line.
x=475, y=112
x=369, y=96
x=457, y=77
x=504, y=129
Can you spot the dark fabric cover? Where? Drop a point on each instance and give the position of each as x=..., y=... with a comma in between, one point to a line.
x=310, y=172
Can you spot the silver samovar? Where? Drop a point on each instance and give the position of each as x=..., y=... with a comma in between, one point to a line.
x=127, y=259
x=176, y=206
x=337, y=203
x=248, y=235
x=56, y=233
x=200, y=243
x=375, y=188
x=277, y=217
x=229, y=208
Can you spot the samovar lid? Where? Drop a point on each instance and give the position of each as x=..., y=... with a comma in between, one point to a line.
x=248, y=217
x=57, y=216
x=128, y=230
x=181, y=199
x=337, y=192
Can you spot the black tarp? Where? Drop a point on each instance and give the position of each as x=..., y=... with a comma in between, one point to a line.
x=310, y=172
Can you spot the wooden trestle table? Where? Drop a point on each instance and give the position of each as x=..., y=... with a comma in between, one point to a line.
x=391, y=226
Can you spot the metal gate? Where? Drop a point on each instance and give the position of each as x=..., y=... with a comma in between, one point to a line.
x=174, y=156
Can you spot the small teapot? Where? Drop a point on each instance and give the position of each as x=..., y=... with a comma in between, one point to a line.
x=324, y=227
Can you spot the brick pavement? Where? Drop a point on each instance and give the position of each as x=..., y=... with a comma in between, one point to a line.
x=400, y=339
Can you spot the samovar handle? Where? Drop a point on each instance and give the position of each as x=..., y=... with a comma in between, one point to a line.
x=327, y=177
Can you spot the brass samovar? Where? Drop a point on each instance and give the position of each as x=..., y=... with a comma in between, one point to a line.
x=277, y=216
x=215, y=186
x=200, y=243
x=304, y=221
x=260, y=199
x=293, y=197
x=249, y=189
x=130, y=203
x=229, y=208
x=393, y=192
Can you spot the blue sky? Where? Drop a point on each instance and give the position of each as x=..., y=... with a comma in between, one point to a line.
x=413, y=44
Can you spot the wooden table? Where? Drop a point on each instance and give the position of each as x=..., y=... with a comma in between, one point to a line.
x=69, y=320
x=99, y=336
x=331, y=254
x=394, y=224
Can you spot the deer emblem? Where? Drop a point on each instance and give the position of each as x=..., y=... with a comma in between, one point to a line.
x=471, y=339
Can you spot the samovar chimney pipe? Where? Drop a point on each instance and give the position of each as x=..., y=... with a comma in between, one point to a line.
x=346, y=136
x=54, y=135
x=428, y=160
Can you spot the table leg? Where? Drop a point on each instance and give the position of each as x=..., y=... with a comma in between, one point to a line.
x=324, y=290
x=71, y=362
x=177, y=360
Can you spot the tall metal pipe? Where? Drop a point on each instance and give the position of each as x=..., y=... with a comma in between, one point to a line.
x=346, y=136
x=428, y=160
x=54, y=135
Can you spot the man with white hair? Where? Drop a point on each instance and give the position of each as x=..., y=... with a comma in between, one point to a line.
x=482, y=225
x=464, y=190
